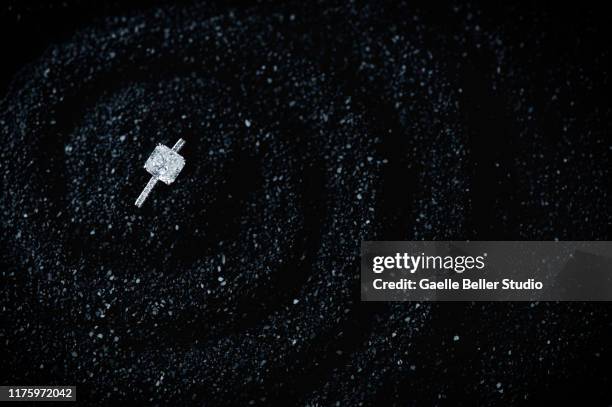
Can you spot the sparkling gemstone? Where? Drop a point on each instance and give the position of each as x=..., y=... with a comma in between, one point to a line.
x=164, y=164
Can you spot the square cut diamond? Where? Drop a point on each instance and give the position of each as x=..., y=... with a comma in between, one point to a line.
x=164, y=164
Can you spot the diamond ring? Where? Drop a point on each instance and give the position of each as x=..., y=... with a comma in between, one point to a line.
x=164, y=164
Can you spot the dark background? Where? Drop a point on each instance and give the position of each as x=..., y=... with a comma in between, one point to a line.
x=461, y=150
